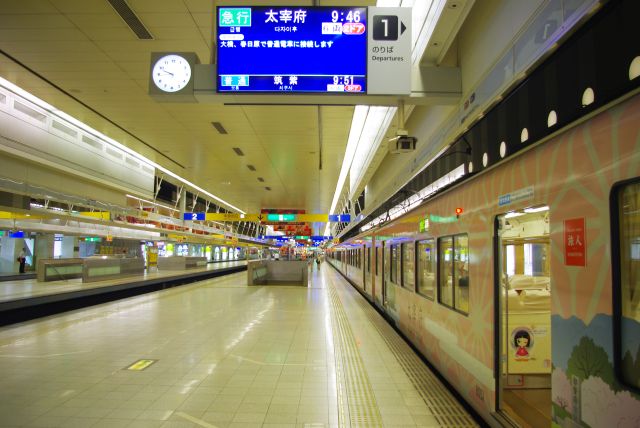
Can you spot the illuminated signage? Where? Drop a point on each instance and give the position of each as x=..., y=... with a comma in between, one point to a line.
x=194, y=216
x=292, y=49
x=440, y=219
x=281, y=217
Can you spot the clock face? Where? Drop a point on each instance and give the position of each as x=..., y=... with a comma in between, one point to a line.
x=171, y=73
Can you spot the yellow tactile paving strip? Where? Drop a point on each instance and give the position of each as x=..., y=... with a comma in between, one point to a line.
x=444, y=408
x=355, y=388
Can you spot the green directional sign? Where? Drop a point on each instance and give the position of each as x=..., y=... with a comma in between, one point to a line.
x=281, y=217
x=234, y=17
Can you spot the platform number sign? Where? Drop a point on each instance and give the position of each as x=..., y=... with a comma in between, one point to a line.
x=385, y=27
x=194, y=216
x=389, y=51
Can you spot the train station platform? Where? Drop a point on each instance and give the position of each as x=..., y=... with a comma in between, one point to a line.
x=26, y=298
x=221, y=354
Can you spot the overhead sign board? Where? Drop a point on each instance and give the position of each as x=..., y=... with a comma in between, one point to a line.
x=281, y=217
x=292, y=49
x=389, y=51
x=271, y=218
x=194, y=216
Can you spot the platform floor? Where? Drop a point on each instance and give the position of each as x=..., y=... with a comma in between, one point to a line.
x=27, y=288
x=227, y=355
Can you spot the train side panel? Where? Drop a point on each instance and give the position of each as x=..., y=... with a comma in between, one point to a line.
x=573, y=174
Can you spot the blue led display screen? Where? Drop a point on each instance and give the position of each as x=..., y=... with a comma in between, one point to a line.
x=292, y=49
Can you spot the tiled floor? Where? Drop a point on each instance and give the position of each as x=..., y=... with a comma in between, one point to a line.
x=24, y=288
x=227, y=355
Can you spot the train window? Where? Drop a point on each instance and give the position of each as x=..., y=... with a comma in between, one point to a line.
x=461, y=273
x=453, y=265
x=369, y=259
x=393, y=265
x=408, y=262
x=445, y=257
x=427, y=267
x=627, y=282
x=377, y=261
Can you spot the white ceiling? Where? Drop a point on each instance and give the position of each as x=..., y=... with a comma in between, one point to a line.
x=101, y=72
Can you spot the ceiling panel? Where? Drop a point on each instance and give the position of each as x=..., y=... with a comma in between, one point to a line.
x=85, y=48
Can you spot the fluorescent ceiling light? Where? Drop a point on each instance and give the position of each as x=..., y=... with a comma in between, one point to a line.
x=536, y=209
x=513, y=214
x=62, y=115
x=425, y=15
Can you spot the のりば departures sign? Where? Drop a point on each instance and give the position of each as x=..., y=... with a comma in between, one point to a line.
x=575, y=243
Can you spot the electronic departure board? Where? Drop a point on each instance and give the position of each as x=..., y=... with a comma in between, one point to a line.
x=292, y=49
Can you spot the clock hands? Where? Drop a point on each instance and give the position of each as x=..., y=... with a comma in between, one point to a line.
x=165, y=71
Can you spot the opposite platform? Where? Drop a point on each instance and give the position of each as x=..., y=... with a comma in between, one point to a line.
x=24, y=294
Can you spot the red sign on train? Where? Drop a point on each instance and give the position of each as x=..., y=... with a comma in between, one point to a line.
x=575, y=244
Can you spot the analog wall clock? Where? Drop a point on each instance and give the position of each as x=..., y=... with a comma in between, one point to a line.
x=171, y=73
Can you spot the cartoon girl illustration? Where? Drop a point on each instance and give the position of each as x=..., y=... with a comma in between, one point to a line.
x=522, y=341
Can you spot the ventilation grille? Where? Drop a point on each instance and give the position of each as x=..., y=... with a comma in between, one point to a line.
x=251, y=167
x=22, y=108
x=219, y=127
x=115, y=153
x=91, y=142
x=64, y=129
x=132, y=162
x=130, y=18
x=238, y=151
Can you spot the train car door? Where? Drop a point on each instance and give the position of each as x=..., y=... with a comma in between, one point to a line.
x=523, y=290
x=386, y=269
x=377, y=274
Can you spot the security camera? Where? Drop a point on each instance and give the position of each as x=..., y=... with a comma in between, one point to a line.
x=402, y=142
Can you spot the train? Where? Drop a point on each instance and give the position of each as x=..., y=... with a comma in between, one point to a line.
x=521, y=285
x=513, y=302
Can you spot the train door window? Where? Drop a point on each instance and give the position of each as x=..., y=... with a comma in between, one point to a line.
x=453, y=254
x=408, y=266
x=445, y=266
x=427, y=267
x=393, y=265
x=461, y=273
x=377, y=261
x=369, y=259
x=626, y=255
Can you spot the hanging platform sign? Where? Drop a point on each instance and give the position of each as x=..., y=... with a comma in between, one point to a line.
x=389, y=51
